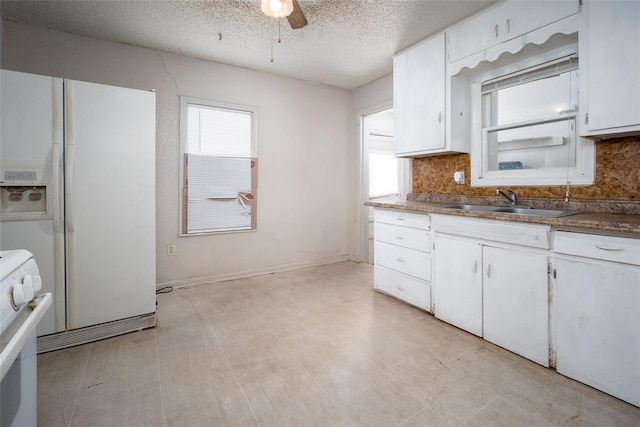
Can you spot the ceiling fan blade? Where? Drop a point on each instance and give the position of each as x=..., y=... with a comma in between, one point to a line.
x=296, y=18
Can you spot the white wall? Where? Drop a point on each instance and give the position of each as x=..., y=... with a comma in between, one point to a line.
x=306, y=185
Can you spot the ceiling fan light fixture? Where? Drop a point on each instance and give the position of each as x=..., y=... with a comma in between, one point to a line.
x=277, y=8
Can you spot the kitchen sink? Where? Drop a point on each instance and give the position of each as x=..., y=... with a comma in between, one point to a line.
x=517, y=210
x=477, y=208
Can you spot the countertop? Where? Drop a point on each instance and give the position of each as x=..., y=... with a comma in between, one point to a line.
x=611, y=222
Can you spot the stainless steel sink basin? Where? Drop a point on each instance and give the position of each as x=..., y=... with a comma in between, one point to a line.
x=517, y=210
x=476, y=208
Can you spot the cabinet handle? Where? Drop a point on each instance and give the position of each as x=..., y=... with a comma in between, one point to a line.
x=400, y=218
x=489, y=270
x=475, y=267
x=400, y=259
x=440, y=117
x=605, y=247
x=400, y=288
x=496, y=30
x=508, y=26
x=399, y=237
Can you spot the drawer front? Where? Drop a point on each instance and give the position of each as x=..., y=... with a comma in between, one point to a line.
x=402, y=218
x=608, y=248
x=406, y=288
x=535, y=236
x=408, y=261
x=403, y=236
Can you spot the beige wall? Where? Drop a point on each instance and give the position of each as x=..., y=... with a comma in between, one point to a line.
x=306, y=174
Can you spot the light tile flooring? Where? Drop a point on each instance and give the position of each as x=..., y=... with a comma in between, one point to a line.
x=309, y=347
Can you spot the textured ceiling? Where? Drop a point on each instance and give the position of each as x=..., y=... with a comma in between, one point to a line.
x=347, y=43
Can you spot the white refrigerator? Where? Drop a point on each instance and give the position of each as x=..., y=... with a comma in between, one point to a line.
x=77, y=189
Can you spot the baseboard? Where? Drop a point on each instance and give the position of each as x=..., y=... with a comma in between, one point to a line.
x=252, y=273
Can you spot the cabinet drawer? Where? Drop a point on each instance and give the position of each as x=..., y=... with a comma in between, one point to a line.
x=402, y=218
x=608, y=248
x=536, y=236
x=403, y=236
x=411, y=290
x=409, y=261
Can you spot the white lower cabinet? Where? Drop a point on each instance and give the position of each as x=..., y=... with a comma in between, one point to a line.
x=402, y=256
x=597, y=310
x=492, y=279
x=515, y=303
x=491, y=287
x=458, y=279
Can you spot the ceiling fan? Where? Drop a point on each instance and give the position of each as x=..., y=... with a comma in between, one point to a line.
x=297, y=19
x=281, y=8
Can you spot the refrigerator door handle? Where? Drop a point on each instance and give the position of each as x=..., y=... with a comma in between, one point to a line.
x=70, y=155
x=69, y=202
x=56, y=164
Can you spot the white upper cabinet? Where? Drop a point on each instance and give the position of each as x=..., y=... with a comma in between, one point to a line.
x=504, y=22
x=609, y=93
x=419, y=99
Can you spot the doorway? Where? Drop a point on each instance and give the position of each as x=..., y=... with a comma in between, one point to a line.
x=383, y=175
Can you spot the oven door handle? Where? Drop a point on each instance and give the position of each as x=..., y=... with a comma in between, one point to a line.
x=30, y=319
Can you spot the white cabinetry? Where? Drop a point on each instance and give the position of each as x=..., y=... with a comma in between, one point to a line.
x=597, y=306
x=486, y=285
x=515, y=302
x=610, y=68
x=419, y=100
x=458, y=297
x=403, y=256
x=502, y=23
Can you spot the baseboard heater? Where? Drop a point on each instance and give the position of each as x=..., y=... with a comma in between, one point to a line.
x=94, y=333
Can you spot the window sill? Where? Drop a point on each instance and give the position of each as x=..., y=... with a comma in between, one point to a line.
x=213, y=233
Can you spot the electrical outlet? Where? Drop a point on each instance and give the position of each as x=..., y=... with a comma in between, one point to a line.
x=171, y=250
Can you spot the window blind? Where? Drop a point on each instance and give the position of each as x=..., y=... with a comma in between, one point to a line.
x=220, y=179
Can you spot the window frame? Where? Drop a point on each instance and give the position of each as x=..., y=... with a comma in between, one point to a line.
x=582, y=174
x=185, y=101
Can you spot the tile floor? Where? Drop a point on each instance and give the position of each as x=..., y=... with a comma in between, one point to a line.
x=309, y=347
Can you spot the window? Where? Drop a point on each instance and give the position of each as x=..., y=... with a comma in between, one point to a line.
x=384, y=172
x=524, y=129
x=529, y=120
x=219, y=167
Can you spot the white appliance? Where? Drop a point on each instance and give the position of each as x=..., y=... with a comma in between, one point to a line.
x=20, y=312
x=77, y=189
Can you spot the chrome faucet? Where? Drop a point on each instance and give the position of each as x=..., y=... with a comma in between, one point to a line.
x=511, y=197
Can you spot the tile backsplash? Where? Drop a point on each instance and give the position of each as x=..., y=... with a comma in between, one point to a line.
x=617, y=175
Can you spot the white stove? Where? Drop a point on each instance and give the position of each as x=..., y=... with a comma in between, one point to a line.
x=21, y=309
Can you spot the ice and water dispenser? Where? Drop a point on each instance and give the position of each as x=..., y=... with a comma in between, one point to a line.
x=24, y=190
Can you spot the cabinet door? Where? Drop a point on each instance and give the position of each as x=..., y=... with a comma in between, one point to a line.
x=458, y=283
x=515, y=302
x=521, y=17
x=419, y=98
x=598, y=314
x=475, y=35
x=505, y=22
x=611, y=35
